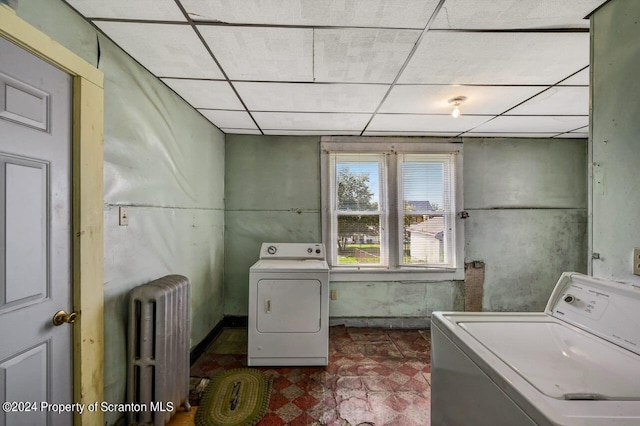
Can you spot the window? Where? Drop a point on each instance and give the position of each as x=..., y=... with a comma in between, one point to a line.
x=392, y=207
x=359, y=209
x=426, y=213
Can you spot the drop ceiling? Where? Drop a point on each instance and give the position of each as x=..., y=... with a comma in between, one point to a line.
x=365, y=67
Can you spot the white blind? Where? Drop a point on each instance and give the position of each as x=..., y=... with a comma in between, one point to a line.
x=426, y=207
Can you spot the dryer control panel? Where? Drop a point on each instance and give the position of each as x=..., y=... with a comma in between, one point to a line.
x=292, y=251
x=605, y=308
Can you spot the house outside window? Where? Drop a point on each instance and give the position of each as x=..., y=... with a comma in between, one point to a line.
x=391, y=207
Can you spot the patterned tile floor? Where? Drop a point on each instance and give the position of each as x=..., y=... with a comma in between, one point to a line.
x=375, y=377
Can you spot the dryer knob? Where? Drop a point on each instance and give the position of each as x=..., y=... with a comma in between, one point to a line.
x=272, y=250
x=569, y=298
x=309, y=250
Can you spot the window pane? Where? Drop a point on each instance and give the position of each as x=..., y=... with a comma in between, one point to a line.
x=424, y=239
x=423, y=186
x=358, y=183
x=359, y=240
x=426, y=206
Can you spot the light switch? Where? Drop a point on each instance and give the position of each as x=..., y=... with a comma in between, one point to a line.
x=636, y=261
x=124, y=216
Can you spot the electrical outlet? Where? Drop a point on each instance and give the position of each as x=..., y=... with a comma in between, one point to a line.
x=636, y=261
x=124, y=216
x=334, y=294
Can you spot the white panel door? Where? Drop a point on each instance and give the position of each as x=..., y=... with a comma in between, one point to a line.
x=289, y=306
x=35, y=239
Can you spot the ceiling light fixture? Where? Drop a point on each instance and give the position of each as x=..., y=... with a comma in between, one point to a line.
x=456, y=102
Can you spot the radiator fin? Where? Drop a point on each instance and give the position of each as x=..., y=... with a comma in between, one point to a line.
x=158, y=348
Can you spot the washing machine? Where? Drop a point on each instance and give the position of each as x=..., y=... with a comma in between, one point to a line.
x=289, y=306
x=576, y=363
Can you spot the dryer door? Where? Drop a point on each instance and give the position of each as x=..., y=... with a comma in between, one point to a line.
x=288, y=306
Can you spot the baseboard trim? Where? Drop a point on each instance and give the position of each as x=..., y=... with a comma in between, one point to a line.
x=226, y=321
x=383, y=322
x=242, y=321
x=236, y=321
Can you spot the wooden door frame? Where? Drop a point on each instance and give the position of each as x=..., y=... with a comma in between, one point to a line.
x=87, y=214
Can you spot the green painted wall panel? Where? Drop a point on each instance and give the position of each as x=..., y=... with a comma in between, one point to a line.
x=525, y=173
x=63, y=24
x=525, y=251
x=395, y=298
x=272, y=173
x=615, y=145
x=158, y=151
x=371, y=299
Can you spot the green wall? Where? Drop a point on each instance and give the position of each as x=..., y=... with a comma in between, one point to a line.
x=527, y=207
x=614, y=146
x=272, y=193
x=527, y=204
x=165, y=163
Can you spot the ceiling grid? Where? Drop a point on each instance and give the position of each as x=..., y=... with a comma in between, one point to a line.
x=365, y=67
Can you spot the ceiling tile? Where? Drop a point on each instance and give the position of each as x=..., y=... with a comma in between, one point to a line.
x=355, y=13
x=514, y=14
x=556, y=101
x=579, y=79
x=311, y=121
x=167, y=50
x=152, y=10
x=271, y=54
x=425, y=123
x=228, y=131
x=496, y=58
x=435, y=99
x=311, y=97
x=233, y=119
x=361, y=55
x=511, y=124
x=206, y=93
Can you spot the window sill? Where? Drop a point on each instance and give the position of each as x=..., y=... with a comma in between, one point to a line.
x=397, y=274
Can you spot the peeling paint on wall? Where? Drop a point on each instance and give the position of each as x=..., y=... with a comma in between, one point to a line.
x=473, y=286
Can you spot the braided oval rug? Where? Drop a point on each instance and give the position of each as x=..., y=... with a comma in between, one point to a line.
x=235, y=397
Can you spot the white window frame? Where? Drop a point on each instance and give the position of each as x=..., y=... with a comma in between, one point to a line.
x=393, y=269
x=382, y=212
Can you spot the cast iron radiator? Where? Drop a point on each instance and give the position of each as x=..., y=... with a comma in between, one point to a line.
x=158, y=350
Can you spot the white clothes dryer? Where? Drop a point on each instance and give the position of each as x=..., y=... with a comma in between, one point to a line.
x=576, y=363
x=289, y=306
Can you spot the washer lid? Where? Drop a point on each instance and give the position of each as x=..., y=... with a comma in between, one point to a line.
x=273, y=265
x=561, y=361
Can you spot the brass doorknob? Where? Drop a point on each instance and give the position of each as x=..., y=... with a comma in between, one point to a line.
x=61, y=317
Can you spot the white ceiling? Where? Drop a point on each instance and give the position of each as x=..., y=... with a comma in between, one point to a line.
x=365, y=67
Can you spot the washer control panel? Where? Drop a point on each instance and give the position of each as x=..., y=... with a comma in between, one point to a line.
x=292, y=251
x=605, y=308
x=585, y=303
